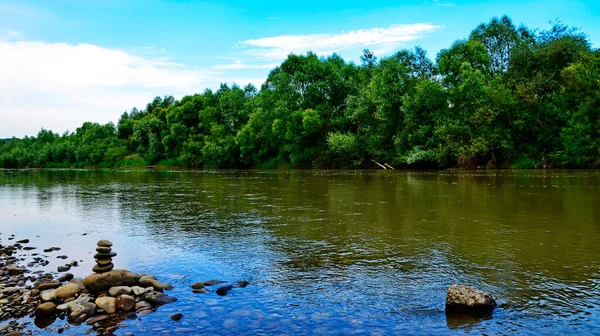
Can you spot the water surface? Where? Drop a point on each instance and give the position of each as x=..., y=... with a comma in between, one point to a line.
x=330, y=252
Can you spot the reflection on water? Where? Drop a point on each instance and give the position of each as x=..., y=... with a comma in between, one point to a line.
x=331, y=252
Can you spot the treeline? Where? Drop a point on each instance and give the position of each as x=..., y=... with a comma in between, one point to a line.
x=504, y=97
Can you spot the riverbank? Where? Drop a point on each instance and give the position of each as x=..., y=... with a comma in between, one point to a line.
x=104, y=300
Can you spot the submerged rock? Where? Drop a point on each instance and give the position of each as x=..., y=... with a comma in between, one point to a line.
x=466, y=299
x=99, y=282
x=222, y=291
x=242, y=284
x=176, y=317
x=158, y=298
x=213, y=282
x=198, y=285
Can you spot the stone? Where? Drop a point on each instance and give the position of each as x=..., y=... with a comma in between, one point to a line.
x=157, y=285
x=145, y=312
x=65, y=277
x=200, y=291
x=198, y=285
x=23, y=241
x=103, y=268
x=64, y=268
x=67, y=291
x=48, y=285
x=137, y=290
x=466, y=299
x=105, y=255
x=99, y=282
x=96, y=319
x=79, y=283
x=73, y=304
x=80, y=312
x=125, y=302
x=242, y=284
x=158, y=298
x=45, y=309
x=103, y=249
x=104, y=242
x=147, y=277
x=48, y=295
x=118, y=290
x=213, y=282
x=222, y=291
x=107, y=303
x=103, y=261
x=15, y=270
x=141, y=305
x=176, y=317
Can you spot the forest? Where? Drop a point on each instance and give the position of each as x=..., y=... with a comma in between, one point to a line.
x=505, y=97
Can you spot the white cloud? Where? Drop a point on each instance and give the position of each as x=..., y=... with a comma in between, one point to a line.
x=278, y=47
x=238, y=65
x=59, y=86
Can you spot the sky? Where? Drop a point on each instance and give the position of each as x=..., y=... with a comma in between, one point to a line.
x=64, y=62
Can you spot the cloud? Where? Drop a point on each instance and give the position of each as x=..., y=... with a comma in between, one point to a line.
x=238, y=65
x=60, y=86
x=278, y=47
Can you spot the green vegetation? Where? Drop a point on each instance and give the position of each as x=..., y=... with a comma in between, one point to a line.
x=504, y=97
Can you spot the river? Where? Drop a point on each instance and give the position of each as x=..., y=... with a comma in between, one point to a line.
x=329, y=252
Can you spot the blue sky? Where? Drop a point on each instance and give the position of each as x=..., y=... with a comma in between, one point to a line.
x=68, y=61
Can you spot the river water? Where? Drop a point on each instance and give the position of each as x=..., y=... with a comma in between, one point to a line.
x=329, y=252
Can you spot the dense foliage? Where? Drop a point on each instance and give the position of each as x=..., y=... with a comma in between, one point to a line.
x=504, y=97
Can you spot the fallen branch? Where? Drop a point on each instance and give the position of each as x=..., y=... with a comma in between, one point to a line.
x=387, y=165
x=379, y=164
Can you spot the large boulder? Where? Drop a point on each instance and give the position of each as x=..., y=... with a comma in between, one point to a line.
x=96, y=283
x=466, y=299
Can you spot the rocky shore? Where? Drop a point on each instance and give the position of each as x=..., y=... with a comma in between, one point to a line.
x=104, y=300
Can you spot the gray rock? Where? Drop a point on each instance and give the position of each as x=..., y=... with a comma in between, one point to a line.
x=137, y=290
x=118, y=290
x=466, y=299
x=85, y=309
x=70, y=305
x=142, y=305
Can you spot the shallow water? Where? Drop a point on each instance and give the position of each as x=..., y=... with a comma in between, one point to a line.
x=329, y=252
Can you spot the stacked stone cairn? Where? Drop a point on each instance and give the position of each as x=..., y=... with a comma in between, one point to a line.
x=104, y=257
